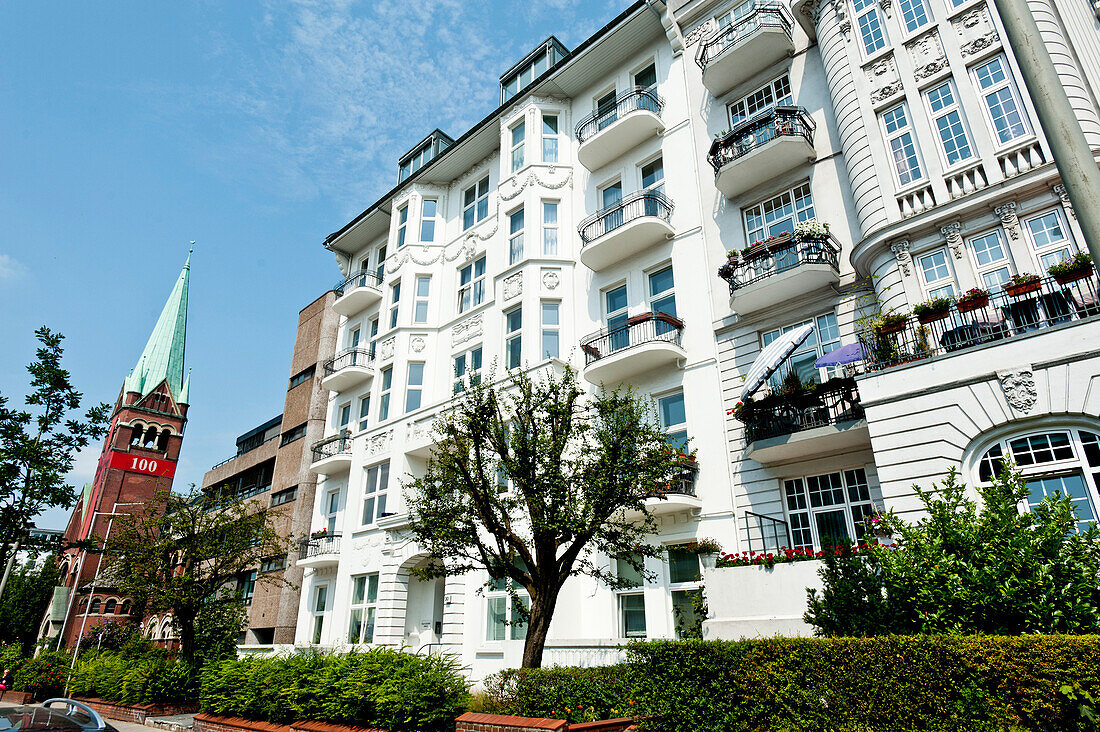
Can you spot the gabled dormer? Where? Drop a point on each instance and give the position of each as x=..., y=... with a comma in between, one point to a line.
x=423, y=153
x=533, y=65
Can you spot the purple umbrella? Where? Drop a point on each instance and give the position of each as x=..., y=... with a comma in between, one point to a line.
x=850, y=353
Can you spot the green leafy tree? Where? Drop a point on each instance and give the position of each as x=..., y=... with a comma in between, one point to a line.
x=190, y=559
x=26, y=597
x=38, y=445
x=534, y=482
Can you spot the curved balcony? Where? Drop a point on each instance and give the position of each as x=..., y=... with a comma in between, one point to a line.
x=319, y=551
x=348, y=369
x=632, y=225
x=773, y=142
x=776, y=270
x=744, y=48
x=332, y=455
x=359, y=291
x=614, y=130
x=678, y=496
x=645, y=343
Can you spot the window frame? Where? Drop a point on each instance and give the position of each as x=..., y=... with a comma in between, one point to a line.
x=934, y=288
x=1067, y=243
x=478, y=206
x=428, y=221
x=551, y=230
x=504, y=591
x=516, y=235
x=630, y=592
x=550, y=329
x=945, y=112
x=395, y=303
x=853, y=524
x=812, y=345
x=469, y=373
x=366, y=606
x=681, y=587
x=376, y=484
x=516, y=145
x=414, y=390
x=797, y=194
x=777, y=92
x=869, y=9
x=984, y=93
x=318, y=610
x=385, y=389
x=912, y=156
x=993, y=266
x=913, y=7
x=421, y=301
x=554, y=138
x=474, y=288
x=513, y=335
x=402, y=224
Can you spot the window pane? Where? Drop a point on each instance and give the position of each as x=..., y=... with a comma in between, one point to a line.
x=660, y=281
x=672, y=410
x=632, y=610
x=832, y=529
x=496, y=609
x=627, y=572
x=683, y=565
x=1071, y=486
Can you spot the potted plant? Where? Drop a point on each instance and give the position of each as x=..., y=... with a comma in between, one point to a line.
x=708, y=551
x=972, y=299
x=889, y=322
x=932, y=310
x=319, y=534
x=1021, y=284
x=1071, y=269
x=811, y=229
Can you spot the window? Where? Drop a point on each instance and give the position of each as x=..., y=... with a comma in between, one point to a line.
x=615, y=317
x=827, y=510
x=606, y=110
x=631, y=601
x=610, y=196
x=871, y=31
x=364, y=605
x=513, y=338
x=518, y=133
x=246, y=586
x=402, y=222
x=991, y=259
x=1049, y=238
x=97, y=605
x=503, y=618
x=364, y=411
x=320, y=599
x=902, y=148
x=777, y=92
x=467, y=369
x=302, y=376
x=653, y=179
x=414, y=387
x=662, y=299
x=778, y=215
x=550, y=228
x=646, y=78
x=293, y=434
x=523, y=75
x=936, y=274
x=1063, y=462
x=374, y=492
x=549, y=138
x=284, y=496
x=947, y=118
x=736, y=13
x=420, y=304
x=824, y=338
x=685, y=579
x=914, y=14
x=673, y=415
x=471, y=285
x=475, y=203
x=427, y=219
x=515, y=236
x=273, y=564
x=384, y=398
x=343, y=416
x=332, y=511
x=395, y=302
x=550, y=327
x=353, y=338
x=380, y=266
x=1002, y=101
x=373, y=336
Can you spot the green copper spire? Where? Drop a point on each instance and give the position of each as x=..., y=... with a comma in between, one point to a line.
x=163, y=355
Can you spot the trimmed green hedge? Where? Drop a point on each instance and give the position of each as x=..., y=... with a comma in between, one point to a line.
x=575, y=694
x=380, y=687
x=135, y=679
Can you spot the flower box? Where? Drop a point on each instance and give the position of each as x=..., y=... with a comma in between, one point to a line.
x=892, y=325
x=932, y=316
x=970, y=302
x=1072, y=275
x=1022, y=288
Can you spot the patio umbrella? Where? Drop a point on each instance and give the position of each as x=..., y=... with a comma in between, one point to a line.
x=851, y=353
x=772, y=357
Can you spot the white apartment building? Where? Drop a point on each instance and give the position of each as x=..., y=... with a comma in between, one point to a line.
x=585, y=220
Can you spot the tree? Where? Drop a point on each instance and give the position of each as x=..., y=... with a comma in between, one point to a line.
x=28, y=594
x=533, y=482
x=37, y=447
x=191, y=558
x=970, y=567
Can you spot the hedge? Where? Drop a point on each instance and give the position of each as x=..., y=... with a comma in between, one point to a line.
x=575, y=694
x=43, y=675
x=379, y=687
x=129, y=679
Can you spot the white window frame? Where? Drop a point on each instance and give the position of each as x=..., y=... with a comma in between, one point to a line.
x=993, y=266
x=551, y=140
x=475, y=203
x=342, y=416
x=517, y=135
x=674, y=430
x=866, y=14
x=384, y=394
x=1055, y=250
x=681, y=587
x=911, y=13
x=402, y=224
x=824, y=338
x=550, y=329
x=652, y=63
x=422, y=298
x=364, y=411
x=427, y=223
x=905, y=136
x=1007, y=83
x=762, y=217
x=937, y=287
x=634, y=591
x=332, y=511
x=659, y=184
x=414, y=386
x=395, y=303
x=515, y=235
x=498, y=594
x=472, y=293
x=363, y=608
x=797, y=508
x=776, y=92
x=467, y=369
x=550, y=229
x=513, y=335
x=957, y=127
x=376, y=483
x=319, y=609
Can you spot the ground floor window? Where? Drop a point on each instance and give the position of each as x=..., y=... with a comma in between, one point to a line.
x=364, y=604
x=684, y=581
x=631, y=599
x=504, y=618
x=320, y=600
x=827, y=510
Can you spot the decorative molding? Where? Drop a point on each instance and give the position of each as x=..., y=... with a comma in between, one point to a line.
x=1060, y=191
x=513, y=286
x=900, y=249
x=812, y=10
x=975, y=31
x=379, y=443
x=926, y=55
x=551, y=279
x=883, y=78
x=886, y=6
x=416, y=431
x=532, y=178
x=953, y=233
x=1007, y=213
x=1019, y=389
x=466, y=330
x=417, y=343
x=385, y=348
x=700, y=32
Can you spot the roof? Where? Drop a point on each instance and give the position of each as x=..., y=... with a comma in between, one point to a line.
x=162, y=359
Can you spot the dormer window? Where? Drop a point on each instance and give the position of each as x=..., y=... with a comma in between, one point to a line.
x=425, y=152
x=533, y=65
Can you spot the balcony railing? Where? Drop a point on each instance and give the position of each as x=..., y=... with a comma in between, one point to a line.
x=629, y=101
x=1050, y=303
x=349, y=357
x=772, y=533
x=778, y=255
x=771, y=124
x=318, y=546
x=833, y=402
x=331, y=446
x=771, y=15
x=638, y=330
x=634, y=206
x=362, y=278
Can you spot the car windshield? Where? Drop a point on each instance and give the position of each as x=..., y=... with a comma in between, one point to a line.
x=37, y=719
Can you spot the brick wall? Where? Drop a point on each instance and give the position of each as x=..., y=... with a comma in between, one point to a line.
x=474, y=722
x=213, y=723
x=16, y=697
x=137, y=713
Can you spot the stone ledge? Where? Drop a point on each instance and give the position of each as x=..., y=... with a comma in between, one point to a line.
x=215, y=723
x=476, y=722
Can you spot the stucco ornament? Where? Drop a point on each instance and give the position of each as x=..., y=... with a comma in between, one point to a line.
x=926, y=54
x=466, y=330
x=1060, y=191
x=1019, y=388
x=975, y=31
x=417, y=343
x=550, y=279
x=385, y=349
x=533, y=178
x=953, y=233
x=513, y=286
x=379, y=443
x=700, y=32
x=901, y=253
x=883, y=78
x=1007, y=213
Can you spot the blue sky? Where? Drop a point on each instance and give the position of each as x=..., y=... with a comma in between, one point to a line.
x=129, y=128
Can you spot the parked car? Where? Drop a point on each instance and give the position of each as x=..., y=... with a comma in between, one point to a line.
x=55, y=715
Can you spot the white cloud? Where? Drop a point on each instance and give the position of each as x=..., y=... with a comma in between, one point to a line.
x=10, y=268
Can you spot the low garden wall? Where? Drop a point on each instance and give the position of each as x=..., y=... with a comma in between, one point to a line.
x=137, y=713
x=757, y=601
x=214, y=723
x=16, y=697
x=475, y=722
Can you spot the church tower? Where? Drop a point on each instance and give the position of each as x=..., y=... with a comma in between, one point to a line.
x=136, y=468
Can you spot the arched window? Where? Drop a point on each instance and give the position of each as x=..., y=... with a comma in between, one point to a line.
x=95, y=606
x=1064, y=461
x=109, y=608
x=151, y=629
x=162, y=442
x=125, y=607
x=150, y=437
x=136, y=432
x=166, y=628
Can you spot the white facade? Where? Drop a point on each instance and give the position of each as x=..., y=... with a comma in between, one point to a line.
x=912, y=138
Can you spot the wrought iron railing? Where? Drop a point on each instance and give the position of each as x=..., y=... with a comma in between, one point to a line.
x=771, y=124
x=637, y=330
x=833, y=402
x=247, y=449
x=772, y=533
x=331, y=446
x=362, y=278
x=1046, y=304
x=780, y=255
x=636, y=205
x=316, y=546
x=632, y=100
x=770, y=15
x=349, y=357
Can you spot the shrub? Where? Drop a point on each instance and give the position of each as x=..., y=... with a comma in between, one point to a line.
x=575, y=694
x=380, y=687
x=43, y=676
x=1079, y=262
x=934, y=306
x=151, y=678
x=11, y=657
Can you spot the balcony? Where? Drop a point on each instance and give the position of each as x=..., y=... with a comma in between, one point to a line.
x=632, y=225
x=744, y=48
x=614, y=130
x=646, y=342
x=776, y=270
x=348, y=369
x=332, y=455
x=357, y=292
x=995, y=318
x=773, y=142
x=320, y=551
x=825, y=419
x=679, y=496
